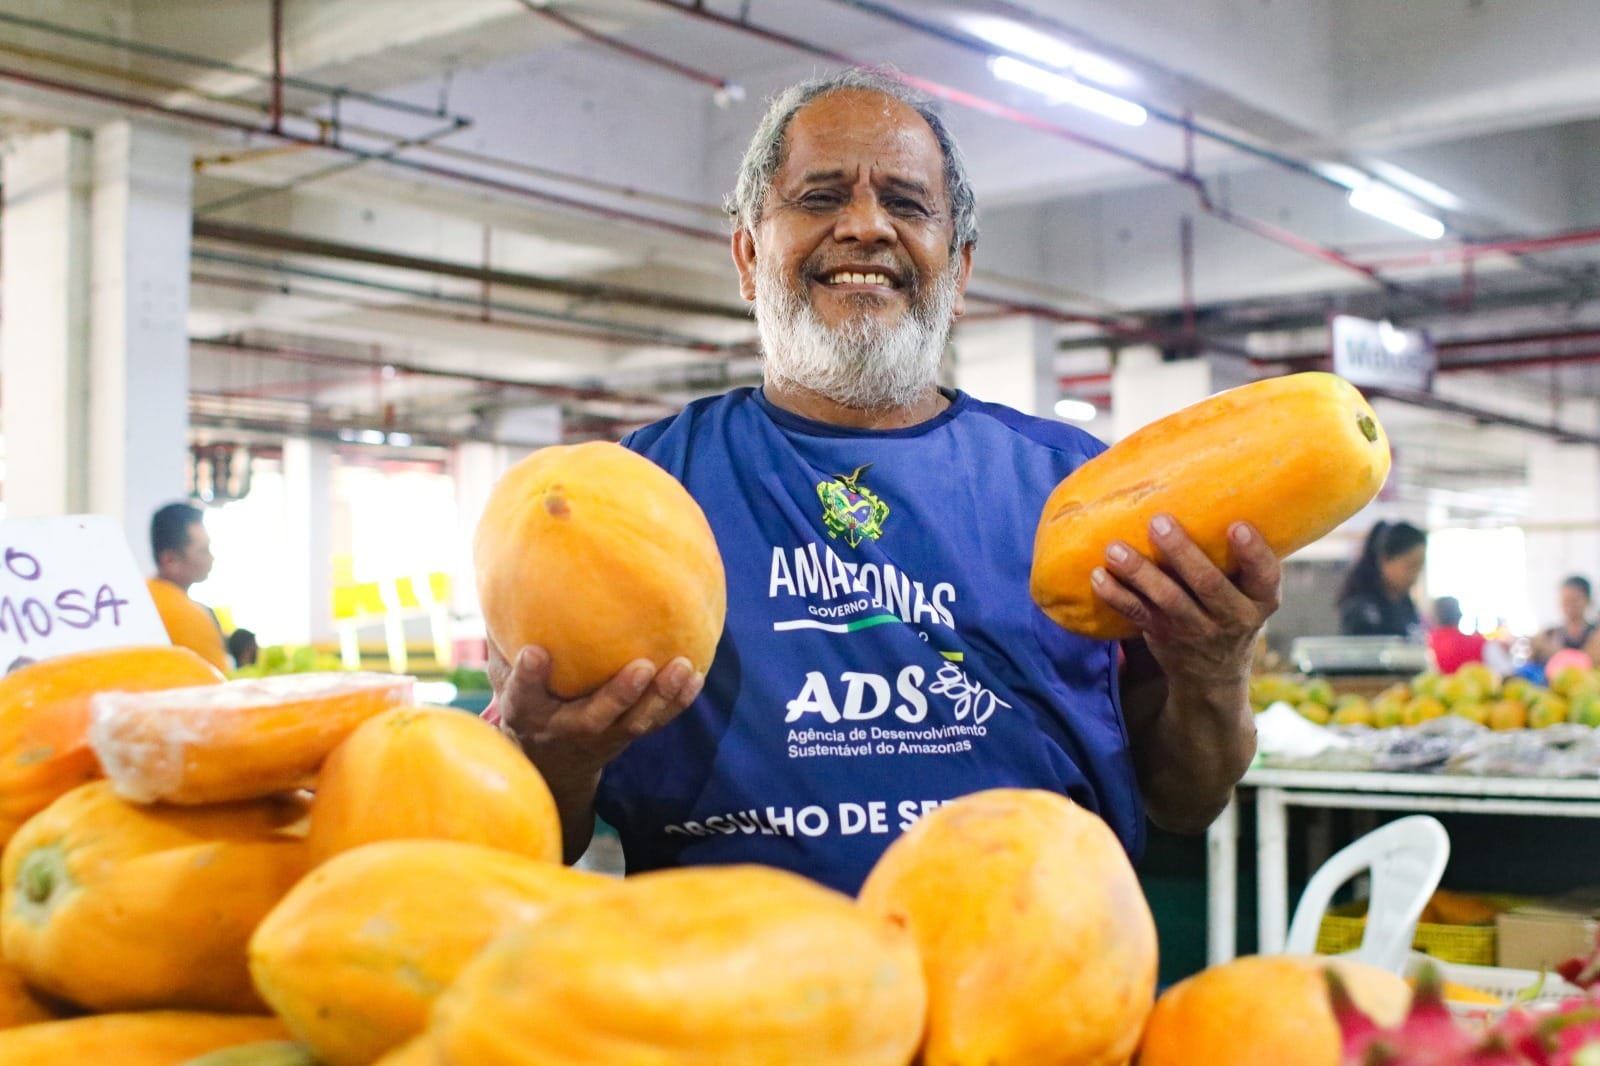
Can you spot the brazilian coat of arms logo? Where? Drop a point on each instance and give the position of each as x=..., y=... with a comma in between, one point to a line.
x=850, y=509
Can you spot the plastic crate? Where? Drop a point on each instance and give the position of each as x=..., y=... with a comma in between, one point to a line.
x=1504, y=984
x=1473, y=945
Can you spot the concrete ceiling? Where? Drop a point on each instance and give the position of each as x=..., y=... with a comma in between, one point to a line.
x=579, y=149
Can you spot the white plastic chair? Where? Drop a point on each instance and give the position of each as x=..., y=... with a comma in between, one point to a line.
x=1407, y=858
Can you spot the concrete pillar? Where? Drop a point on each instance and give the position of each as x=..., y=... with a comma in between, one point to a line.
x=1008, y=360
x=1144, y=388
x=44, y=324
x=93, y=335
x=477, y=465
x=139, y=338
x=1562, y=528
x=308, y=563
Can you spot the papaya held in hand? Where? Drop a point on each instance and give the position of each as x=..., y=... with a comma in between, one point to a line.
x=600, y=557
x=1294, y=456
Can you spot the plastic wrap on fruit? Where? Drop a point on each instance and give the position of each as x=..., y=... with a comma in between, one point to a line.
x=238, y=740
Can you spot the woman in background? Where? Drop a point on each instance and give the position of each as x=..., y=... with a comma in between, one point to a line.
x=1577, y=631
x=1376, y=598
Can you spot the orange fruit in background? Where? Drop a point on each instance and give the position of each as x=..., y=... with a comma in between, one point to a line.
x=1264, y=1010
x=710, y=965
x=44, y=718
x=1509, y=714
x=442, y=774
x=600, y=557
x=1421, y=709
x=1036, y=938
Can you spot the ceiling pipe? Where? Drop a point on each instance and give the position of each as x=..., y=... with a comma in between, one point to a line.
x=933, y=88
x=306, y=356
x=1484, y=415
x=277, y=65
x=135, y=103
x=633, y=334
x=702, y=77
x=1479, y=249
x=332, y=92
x=298, y=244
x=1185, y=121
x=484, y=315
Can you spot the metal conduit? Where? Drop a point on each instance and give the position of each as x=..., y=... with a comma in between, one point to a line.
x=635, y=334
x=311, y=357
x=482, y=314
x=333, y=92
x=253, y=237
x=432, y=170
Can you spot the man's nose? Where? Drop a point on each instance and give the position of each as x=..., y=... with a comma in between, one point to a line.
x=863, y=219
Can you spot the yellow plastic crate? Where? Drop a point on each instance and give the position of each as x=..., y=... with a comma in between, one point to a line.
x=1471, y=945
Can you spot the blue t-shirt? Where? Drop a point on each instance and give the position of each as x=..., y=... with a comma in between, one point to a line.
x=881, y=655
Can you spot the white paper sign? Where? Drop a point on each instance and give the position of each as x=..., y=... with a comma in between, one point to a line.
x=70, y=584
x=1378, y=354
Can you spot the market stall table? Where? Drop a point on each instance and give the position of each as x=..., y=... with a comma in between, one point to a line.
x=1276, y=790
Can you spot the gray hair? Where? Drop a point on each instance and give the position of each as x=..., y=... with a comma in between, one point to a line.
x=765, y=153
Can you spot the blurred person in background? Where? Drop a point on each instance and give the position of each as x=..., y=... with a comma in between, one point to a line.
x=182, y=550
x=1375, y=600
x=1450, y=646
x=1576, y=631
x=242, y=647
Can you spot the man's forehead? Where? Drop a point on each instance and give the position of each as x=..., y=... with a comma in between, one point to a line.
x=837, y=129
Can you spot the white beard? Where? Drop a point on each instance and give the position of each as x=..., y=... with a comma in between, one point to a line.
x=861, y=364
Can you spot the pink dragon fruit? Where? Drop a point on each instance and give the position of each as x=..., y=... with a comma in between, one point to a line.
x=1428, y=1036
x=1569, y=1035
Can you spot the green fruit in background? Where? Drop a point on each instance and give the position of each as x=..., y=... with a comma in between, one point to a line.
x=1519, y=688
x=1388, y=712
x=1314, y=712
x=1584, y=709
x=1424, y=683
x=1319, y=690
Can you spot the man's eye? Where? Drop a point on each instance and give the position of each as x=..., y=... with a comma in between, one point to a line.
x=901, y=205
x=821, y=200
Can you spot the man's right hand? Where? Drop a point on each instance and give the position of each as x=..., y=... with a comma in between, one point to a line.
x=571, y=741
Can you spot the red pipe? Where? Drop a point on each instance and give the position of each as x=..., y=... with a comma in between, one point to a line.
x=433, y=170
x=1521, y=246
x=629, y=50
x=932, y=88
x=314, y=358
x=1183, y=177
x=284, y=288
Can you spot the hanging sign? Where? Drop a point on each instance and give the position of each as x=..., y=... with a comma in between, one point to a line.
x=70, y=584
x=1378, y=354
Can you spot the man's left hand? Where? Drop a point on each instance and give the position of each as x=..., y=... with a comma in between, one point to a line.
x=1199, y=624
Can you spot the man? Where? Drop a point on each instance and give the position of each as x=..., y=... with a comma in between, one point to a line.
x=881, y=653
x=182, y=551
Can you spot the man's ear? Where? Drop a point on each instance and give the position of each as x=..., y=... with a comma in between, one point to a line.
x=961, y=282
x=744, y=257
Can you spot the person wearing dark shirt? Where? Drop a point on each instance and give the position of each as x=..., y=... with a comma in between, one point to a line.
x=1452, y=648
x=1376, y=598
x=1576, y=631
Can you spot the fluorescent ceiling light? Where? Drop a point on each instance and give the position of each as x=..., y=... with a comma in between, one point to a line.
x=1343, y=174
x=1421, y=188
x=1067, y=91
x=1014, y=37
x=1076, y=410
x=1384, y=203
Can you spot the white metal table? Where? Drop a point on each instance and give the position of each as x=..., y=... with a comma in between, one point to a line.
x=1277, y=790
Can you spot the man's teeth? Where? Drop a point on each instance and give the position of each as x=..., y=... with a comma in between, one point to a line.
x=859, y=279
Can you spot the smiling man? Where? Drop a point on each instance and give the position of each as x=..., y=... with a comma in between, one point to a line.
x=881, y=653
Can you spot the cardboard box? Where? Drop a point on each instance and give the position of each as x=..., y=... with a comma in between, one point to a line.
x=1542, y=933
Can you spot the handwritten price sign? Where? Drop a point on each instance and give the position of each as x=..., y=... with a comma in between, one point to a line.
x=70, y=584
